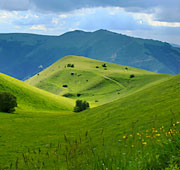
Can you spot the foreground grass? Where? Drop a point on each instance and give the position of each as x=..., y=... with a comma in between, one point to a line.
x=153, y=148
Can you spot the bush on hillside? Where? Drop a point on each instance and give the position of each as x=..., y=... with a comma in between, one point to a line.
x=132, y=76
x=81, y=105
x=70, y=65
x=104, y=65
x=65, y=85
x=7, y=102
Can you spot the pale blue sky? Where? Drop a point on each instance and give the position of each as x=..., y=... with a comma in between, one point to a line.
x=154, y=19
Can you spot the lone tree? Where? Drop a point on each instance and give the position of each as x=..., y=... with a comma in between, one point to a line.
x=7, y=102
x=81, y=105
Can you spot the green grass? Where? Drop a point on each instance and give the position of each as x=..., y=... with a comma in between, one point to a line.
x=152, y=106
x=30, y=98
x=96, y=85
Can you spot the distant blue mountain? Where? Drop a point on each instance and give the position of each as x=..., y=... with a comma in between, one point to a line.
x=23, y=55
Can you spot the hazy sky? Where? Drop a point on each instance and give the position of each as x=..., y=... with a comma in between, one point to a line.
x=155, y=19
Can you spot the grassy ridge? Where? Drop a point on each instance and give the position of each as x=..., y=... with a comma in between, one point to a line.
x=97, y=85
x=30, y=98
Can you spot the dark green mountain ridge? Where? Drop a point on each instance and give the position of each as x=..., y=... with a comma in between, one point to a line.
x=24, y=55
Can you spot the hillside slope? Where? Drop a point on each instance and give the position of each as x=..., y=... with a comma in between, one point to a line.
x=30, y=98
x=152, y=107
x=24, y=55
x=89, y=80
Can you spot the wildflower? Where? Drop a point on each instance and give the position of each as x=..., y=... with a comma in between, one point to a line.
x=177, y=122
x=132, y=146
x=147, y=136
x=131, y=135
x=144, y=143
x=142, y=140
x=174, y=124
x=162, y=127
x=158, y=134
x=158, y=140
x=138, y=134
x=147, y=130
x=124, y=137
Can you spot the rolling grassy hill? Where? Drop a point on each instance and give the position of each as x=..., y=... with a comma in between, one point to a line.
x=30, y=98
x=94, y=83
x=24, y=55
x=144, y=109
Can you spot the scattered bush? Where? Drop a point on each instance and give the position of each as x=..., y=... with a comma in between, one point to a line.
x=78, y=95
x=68, y=95
x=7, y=102
x=97, y=66
x=70, y=65
x=104, y=65
x=81, y=105
x=65, y=85
x=72, y=73
x=126, y=68
x=132, y=76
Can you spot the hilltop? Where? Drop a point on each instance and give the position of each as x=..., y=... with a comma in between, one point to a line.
x=89, y=80
x=24, y=55
x=30, y=98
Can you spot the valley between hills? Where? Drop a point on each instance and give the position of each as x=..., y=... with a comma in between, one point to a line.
x=133, y=116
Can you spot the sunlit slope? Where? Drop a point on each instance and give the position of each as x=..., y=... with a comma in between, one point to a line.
x=91, y=81
x=30, y=98
x=150, y=107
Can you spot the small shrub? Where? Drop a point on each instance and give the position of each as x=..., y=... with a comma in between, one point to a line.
x=7, y=102
x=81, y=105
x=104, y=65
x=78, y=95
x=126, y=68
x=132, y=76
x=72, y=73
x=65, y=85
x=70, y=65
x=97, y=66
x=68, y=95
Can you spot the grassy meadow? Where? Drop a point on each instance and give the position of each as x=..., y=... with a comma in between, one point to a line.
x=134, y=124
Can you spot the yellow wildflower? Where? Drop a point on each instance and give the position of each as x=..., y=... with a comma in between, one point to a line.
x=138, y=134
x=124, y=137
x=144, y=143
x=147, y=136
x=174, y=124
x=158, y=134
x=131, y=135
x=132, y=146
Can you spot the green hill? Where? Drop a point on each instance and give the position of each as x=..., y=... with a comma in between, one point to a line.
x=24, y=55
x=30, y=98
x=150, y=107
x=93, y=82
